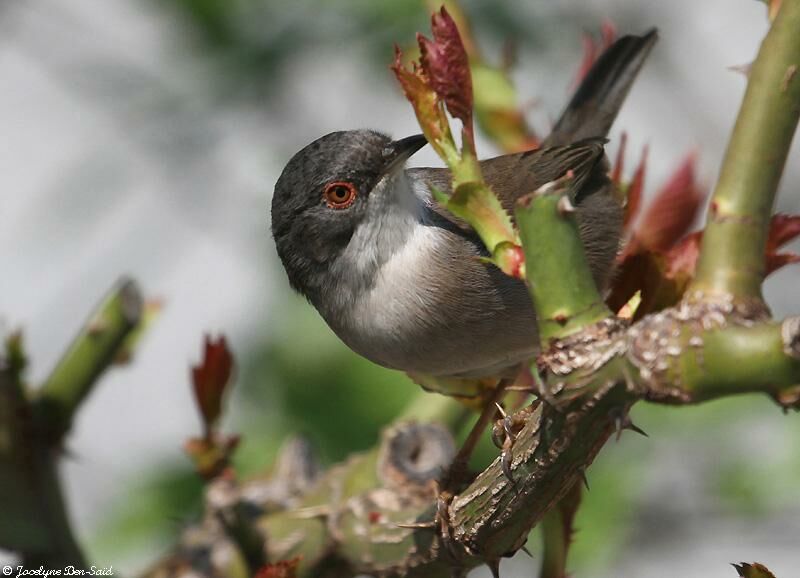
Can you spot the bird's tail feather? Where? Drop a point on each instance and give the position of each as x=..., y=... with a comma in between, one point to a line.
x=596, y=103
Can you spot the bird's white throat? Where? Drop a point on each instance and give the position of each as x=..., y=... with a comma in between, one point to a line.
x=395, y=216
x=377, y=276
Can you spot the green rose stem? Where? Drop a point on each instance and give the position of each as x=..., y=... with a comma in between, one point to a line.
x=560, y=283
x=732, y=255
x=34, y=520
x=92, y=351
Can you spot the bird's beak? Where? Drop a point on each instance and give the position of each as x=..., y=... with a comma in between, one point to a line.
x=396, y=153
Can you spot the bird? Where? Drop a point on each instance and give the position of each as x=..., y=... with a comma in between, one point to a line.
x=398, y=278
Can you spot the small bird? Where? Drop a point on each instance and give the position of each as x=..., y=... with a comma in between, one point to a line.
x=398, y=278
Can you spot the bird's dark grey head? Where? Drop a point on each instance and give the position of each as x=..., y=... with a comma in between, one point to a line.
x=323, y=195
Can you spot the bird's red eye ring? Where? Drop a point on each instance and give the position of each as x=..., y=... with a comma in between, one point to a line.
x=339, y=195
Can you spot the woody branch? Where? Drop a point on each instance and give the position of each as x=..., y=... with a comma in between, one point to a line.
x=365, y=516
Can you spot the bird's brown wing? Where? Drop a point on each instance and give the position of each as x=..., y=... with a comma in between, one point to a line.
x=515, y=175
x=576, y=142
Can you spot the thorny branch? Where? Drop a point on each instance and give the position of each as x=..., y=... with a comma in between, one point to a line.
x=594, y=366
x=34, y=517
x=374, y=514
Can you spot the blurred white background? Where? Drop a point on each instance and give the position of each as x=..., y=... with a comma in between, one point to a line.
x=122, y=155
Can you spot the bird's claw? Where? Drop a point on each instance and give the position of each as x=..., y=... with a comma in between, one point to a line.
x=504, y=435
x=442, y=521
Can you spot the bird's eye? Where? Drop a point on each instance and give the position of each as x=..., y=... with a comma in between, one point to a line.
x=340, y=195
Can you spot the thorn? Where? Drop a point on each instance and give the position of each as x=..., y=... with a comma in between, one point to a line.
x=787, y=78
x=418, y=526
x=565, y=206
x=96, y=327
x=623, y=422
x=582, y=474
x=630, y=385
x=528, y=552
x=742, y=68
x=635, y=428
x=494, y=566
x=312, y=512
x=522, y=388
x=501, y=410
x=546, y=188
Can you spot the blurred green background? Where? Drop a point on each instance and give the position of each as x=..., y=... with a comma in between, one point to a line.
x=712, y=485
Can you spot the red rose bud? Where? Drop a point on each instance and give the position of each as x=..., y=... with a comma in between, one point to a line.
x=681, y=260
x=412, y=81
x=635, y=190
x=592, y=49
x=211, y=455
x=210, y=378
x=672, y=212
x=282, y=569
x=423, y=98
x=782, y=230
x=675, y=208
x=608, y=32
x=619, y=161
x=754, y=570
x=445, y=63
x=659, y=260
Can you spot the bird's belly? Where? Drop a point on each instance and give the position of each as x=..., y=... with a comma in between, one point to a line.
x=478, y=323
x=471, y=347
